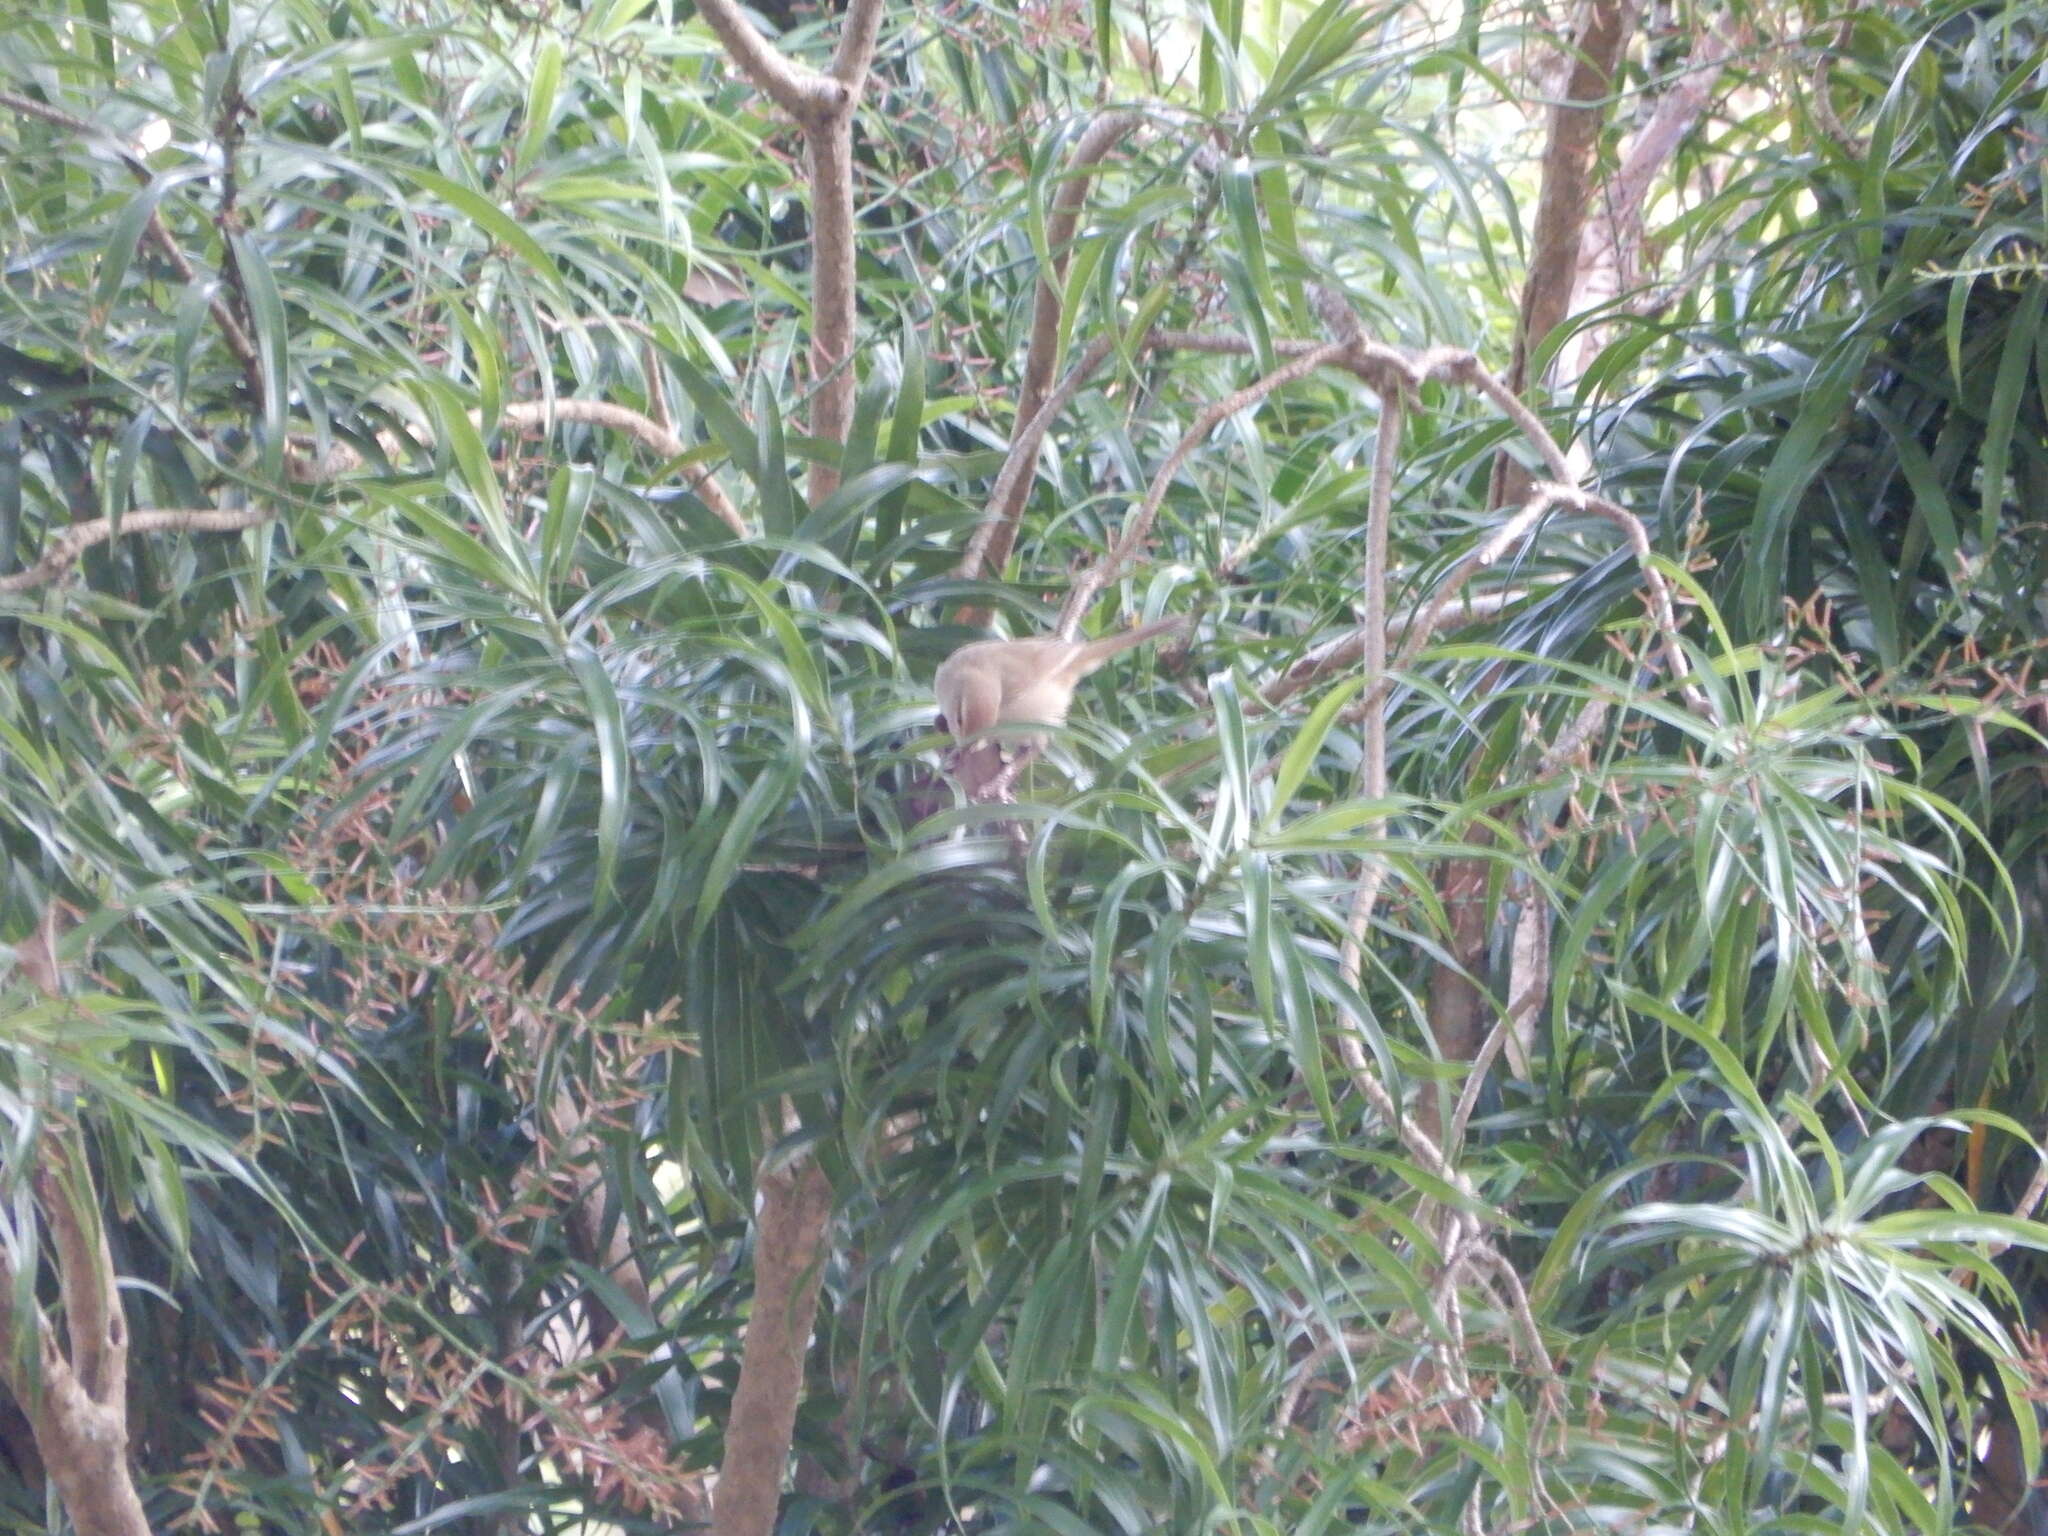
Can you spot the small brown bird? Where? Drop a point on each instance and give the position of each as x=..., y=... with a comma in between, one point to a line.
x=1009, y=682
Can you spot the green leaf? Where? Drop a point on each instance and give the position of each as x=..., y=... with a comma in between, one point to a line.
x=489, y=217
x=272, y=338
x=1301, y=753
x=540, y=105
x=614, y=764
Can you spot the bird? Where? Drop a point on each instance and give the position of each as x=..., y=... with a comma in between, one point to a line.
x=1018, y=682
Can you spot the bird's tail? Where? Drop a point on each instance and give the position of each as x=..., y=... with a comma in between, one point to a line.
x=1096, y=652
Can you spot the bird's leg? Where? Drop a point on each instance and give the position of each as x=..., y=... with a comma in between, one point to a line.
x=998, y=789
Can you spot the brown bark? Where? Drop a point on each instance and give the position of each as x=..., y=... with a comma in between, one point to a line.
x=997, y=536
x=65, y=548
x=832, y=292
x=823, y=104
x=998, y=526
x=794, y=1207
x=1612, y=263
x=539, y=414
x=1574, y=139
x=796, y=1204
x=1459, y=1015
x=1458, y=1009
x=84, y=1445
x=76, y=1407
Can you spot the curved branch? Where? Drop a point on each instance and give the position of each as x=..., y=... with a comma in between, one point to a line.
x=597, y=413
x=997, y=535
x=1460, y=366
x=1378, y=365
x=1660, y=590
x=798, y=89
x=1510, y=533
x=1347, y=649
x=71, y=542
x=644, y=430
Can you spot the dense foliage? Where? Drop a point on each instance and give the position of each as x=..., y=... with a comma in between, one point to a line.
x=424, y=895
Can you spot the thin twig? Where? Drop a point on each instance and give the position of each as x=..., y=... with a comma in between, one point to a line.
x=1465, y=368
x=539, y=415
x=1344, y=652
x=1018, y=465
x=1372, y=763
x=1139, y=526
x=156, y=230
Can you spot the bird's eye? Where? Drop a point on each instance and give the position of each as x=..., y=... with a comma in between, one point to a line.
x=939, y=723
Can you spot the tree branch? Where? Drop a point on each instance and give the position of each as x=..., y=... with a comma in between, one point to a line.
x=1139, y=526
x=856, y=51
x=799, y=90
x=997, y=534
x=1345, y=652
x=1006, y=499
x=1457, y=365
x=823, y=106
x=93, y=1322
x=539, y=414
x=1611, y=261
x=1660, y=590
x=1102, y=135
x=76, y=1408
x=69, y=543
x=989, y=549
x=1372, y=762
x=794, y=1206
x=1567, y=192
x=833, y=306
